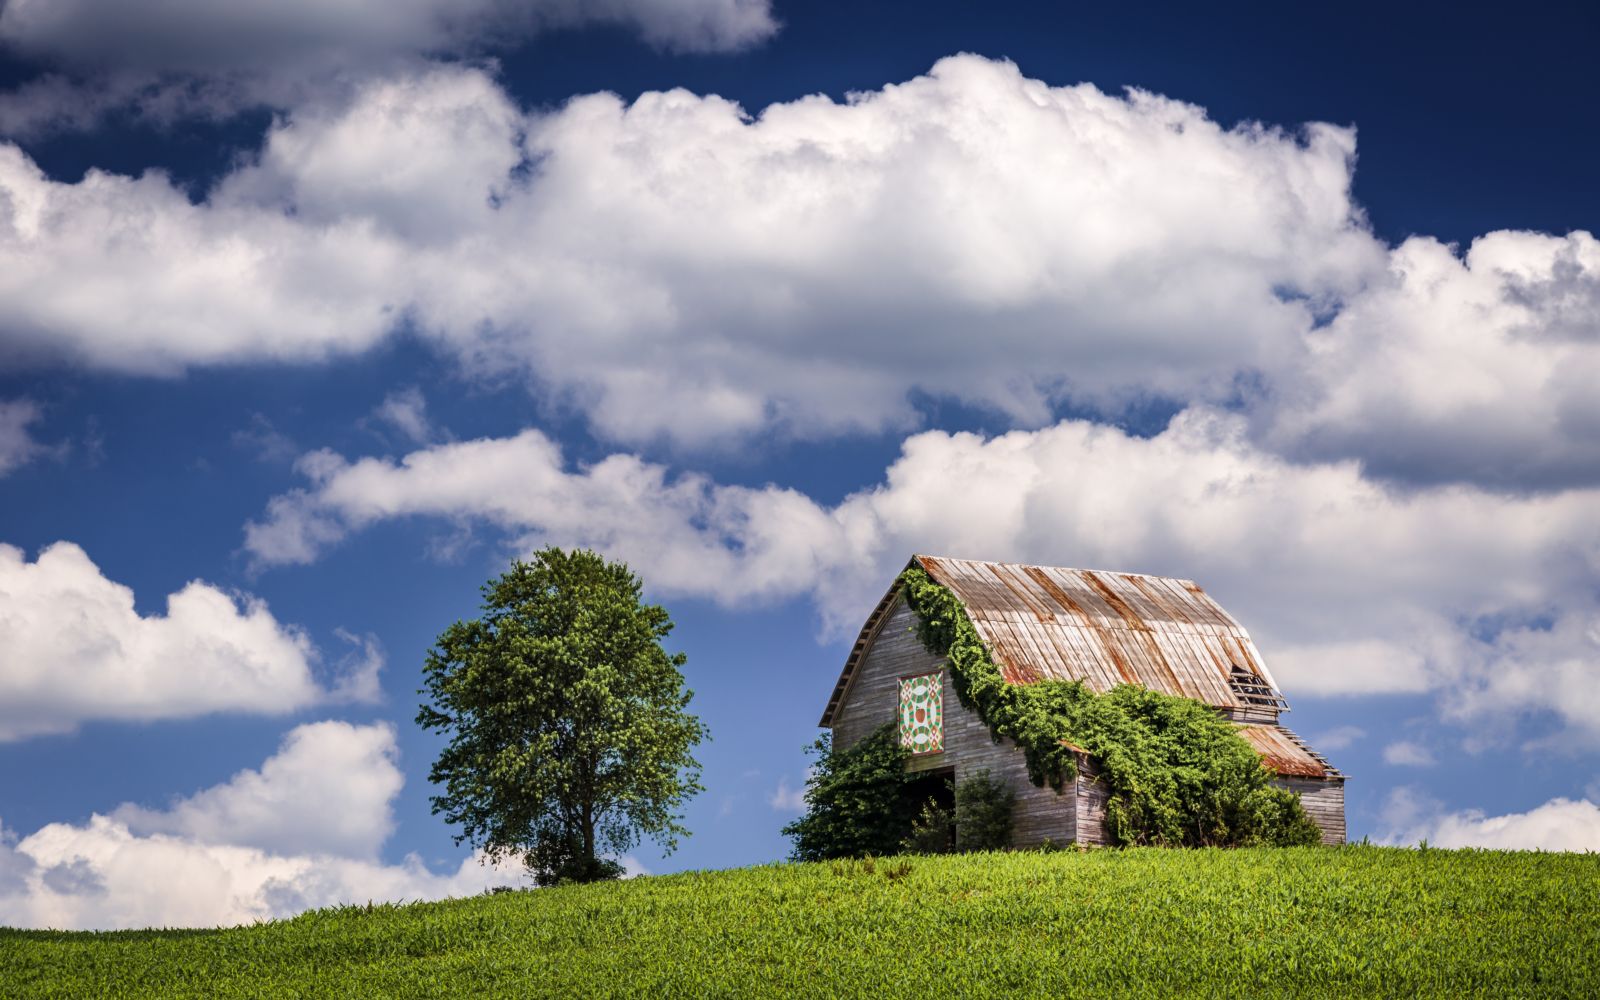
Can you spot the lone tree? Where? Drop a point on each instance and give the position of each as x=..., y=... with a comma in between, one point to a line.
x=569, y=735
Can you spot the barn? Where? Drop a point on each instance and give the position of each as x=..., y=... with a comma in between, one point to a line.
x=1101, y=628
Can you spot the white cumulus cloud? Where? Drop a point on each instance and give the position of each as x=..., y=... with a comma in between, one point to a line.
x=267, y=843
x=1477, y=366
x=213, y=57
x=678, y=267
x=76, y=649
x=1558, y=825
x=1485, y=599
x=326, y=791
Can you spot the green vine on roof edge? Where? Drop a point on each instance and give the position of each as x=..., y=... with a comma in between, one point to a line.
x=1177, y=773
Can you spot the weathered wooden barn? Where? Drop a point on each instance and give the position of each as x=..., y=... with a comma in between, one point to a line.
x=1104, y=629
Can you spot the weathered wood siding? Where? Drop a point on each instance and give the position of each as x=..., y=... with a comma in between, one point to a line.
x=874, y=699
x=1091, y=806
x=1323, y=799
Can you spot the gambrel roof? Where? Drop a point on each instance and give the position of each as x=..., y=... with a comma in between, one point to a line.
x=1098, y=627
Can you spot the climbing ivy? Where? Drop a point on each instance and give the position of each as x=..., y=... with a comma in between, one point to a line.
x=1177, y=774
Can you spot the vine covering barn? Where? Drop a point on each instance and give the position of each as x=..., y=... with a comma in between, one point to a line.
x=1041, y=624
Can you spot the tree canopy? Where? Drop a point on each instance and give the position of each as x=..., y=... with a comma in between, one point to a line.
x=569, y=735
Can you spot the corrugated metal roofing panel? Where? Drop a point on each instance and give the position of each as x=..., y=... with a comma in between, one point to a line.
x=1102, y=628
x=1285, y=753
x=1097, y=627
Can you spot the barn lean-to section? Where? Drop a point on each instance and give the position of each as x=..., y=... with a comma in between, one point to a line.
x=1101, y=628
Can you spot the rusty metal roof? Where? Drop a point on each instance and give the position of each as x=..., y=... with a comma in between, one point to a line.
x=1286, y=753
x=1094, y=626
x=1102, y=628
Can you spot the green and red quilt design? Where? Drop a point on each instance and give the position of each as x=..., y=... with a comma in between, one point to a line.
x=922, y=712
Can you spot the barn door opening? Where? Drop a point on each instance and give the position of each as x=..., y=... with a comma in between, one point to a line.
x=931, y=797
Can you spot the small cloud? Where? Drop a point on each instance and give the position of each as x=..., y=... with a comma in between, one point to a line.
x=94, y=443
x=406, y=411
x=1339, y=738
x=267, y=442
x=358, y=669
x=1407, y=807
x=16, y=444
x=1407, y=753
x=632, y=867
x=786, y=799
x=451, y=546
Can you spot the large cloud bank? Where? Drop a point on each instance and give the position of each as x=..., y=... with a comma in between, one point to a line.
x=301, y=832
x=677, y=268
x=1490, y=601
x=76, y=650
x=172, y=58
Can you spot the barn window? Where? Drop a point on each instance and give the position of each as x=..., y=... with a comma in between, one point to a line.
x=922, y=712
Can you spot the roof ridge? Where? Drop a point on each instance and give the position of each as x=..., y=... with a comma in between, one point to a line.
x=1067, y=569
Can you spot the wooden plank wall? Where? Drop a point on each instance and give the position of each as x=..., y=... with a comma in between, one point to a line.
x=1323, y=799
x=874, y=698
x=1092, y=796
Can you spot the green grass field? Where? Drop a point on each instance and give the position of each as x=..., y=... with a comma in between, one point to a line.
x=1293, y=922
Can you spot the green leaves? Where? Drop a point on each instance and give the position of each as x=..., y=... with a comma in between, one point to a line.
x=983, y=817
x=569, y=735
x=857, y=801
x=1177, y=773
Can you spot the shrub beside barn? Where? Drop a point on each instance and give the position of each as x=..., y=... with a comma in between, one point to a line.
x=1048, y=623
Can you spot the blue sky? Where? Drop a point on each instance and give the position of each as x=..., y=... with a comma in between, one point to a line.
x=312, y=318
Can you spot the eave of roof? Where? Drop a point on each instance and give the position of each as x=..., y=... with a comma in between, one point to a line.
x=1283, y=751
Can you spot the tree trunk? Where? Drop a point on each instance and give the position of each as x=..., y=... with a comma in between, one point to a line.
x=588, y=838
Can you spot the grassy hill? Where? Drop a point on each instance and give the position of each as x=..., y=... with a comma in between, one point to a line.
x=1301, y=922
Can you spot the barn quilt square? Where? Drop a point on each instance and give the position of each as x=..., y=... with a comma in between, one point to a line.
x=922, y=712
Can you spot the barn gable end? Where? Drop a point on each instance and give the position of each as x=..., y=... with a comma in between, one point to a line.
x=1096, y=627
x=873, y=699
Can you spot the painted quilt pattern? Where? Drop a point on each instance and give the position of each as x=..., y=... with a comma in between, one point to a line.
x=922, y=712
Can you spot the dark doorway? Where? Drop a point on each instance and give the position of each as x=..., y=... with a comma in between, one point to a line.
x=940, y=786
x=931, y=800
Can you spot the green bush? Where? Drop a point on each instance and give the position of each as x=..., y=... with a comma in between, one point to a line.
x=983, y=813
x=857, y=799
x=1177, y=774
x=932, y=832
